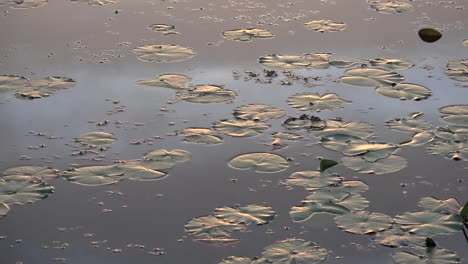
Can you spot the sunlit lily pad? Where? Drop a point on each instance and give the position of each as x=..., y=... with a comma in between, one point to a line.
x=94, y=175
x=240, y=128
x=163, y=53
x=362, y=222
x=95, y=2
x=206, y=94
x=452, y=134
x=313, y=179
x=4, y=209
x=23, y=4
x=342, y=63
x=247, y=215
x=397, y=238
x=370, y=152
x=457, y=69
x=96, y=139
x=450, y=149
x=23, y=192
x=162, y=159
x=420, y=139
x=242, y=260
x=341, y=142
x=325, y=26
x=136, y=171
x=259, y=162
x=258, y=112
x=454, y=110
x=287, y=136
x=200, y=136
x=405, y=91
x=12, y=83
x=173, y=81
x=45, y=87
x=391, y=164
x=390, y=7
x=316, y=60
x=457, y=120
x=428, y=223
x=391, y=64
x=315, y=102
x=294, y=251
x=408, y=125
x=161, y=27
x=371, y=77
x=449, y=206
x=247, y=34
x=423, y=255
x=211, y=227
x=30, y=173
x=354, y=129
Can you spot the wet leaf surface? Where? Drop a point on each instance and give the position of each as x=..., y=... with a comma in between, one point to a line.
x=23, y=192
x=420, y=255
x=94, y=175
x=29, y=173
x=390, y=7
x=316, y=102
x=405, y=91
x=163, y=53
x=391, y=164
x=258, y=112
x=247, y=215
x=247, y=34
x=428, y=223
x=294, y=250
x=173, y=81
x=371, y=77
x=240, y=128
x=259, y=162
x=391, y=64
x=362, y=222
x=325, y=26
x=206, y=94
x=4, y=209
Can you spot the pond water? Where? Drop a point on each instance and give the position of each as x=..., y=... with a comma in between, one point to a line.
x=144, y=221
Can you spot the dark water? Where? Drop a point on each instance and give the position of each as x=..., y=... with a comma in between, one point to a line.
x=71, y=39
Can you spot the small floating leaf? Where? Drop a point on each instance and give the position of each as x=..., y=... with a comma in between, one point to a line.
x=370, y=77
x=355, y=129
x=29, y=173
x=161, y=27
x=260, y=162
x=313, y=179
x=451, y=150
x=211, y=227
x=408, y=125
x=95, y=175
x=396, y=238
x=315, y=102
x=325, y=26
x=316, y=60
x=23, y=4
x=247, y=215
x=391, y=64
x=457, y=69
x=391, y=164
x=136, y=171
x=294, y=250
x=287, y=136
x=420, y=139
x=163, y=53
x=200, y=136
x=23, y=192
x=4, y=209
x=449, y=206
x=162, y=159
x=96, y=138
x=390, y=7
x=362, y=222
x=429, y=35
x=206, y=94
x=173, y=81
x=247, y=34
x=421, y=255
x=428, y=223
x=405, y=91
x=240, y=128
x=45, y=87
x=258, y=112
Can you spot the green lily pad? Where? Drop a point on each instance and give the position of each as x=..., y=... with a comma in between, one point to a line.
x=163, y=53
x=362, y=222
x=29, y=173
x=260, y=162
x=242, y=260
x=451, y=150
x=457, y=69
x=428, y=223
x=240, y=128
x=23, y=192
x=355, y=129
x=295, y=251
x=12, y=83
x=429, y=35
x=449, y=206
x=199, y=135
x=161, y=27
x=45, y=87
x=94, y=175
x=325, y=26
x=316, y=61
x=95, y=2
x=162, y=159
x=247, y=215
x=391, y=164
x=173, y=81
x=287, y=136
x=390, y=7
x=391, y=64
x=422, y=255
x=135, y=170
x=247, y=34
x=205, y=94
x=397, y=238
x=4, y=209
x=258, y=112
x=408, y=125
x=371, y=77
x=405, y=91
x=96, y=139
x=211, y=227
x=313, y=179
x=315, y=102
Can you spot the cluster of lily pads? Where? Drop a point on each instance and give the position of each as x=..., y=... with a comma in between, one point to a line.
x=218, y=228
x=34, y=89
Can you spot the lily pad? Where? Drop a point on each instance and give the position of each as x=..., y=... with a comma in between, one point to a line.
x=173, y=81
x=163, y=53
x=391, y=64
x=247, y=34
x=313, y=179
x=390, y=7
x=45, y=87
x=295, y=251
x=370, y=152
x=391, y=164
x=316, y=60
x=247, y=215
x=95, y=2
x=240, y=128
x=136, y=171
x=29, y=173
x=258, y=112
x=315, y=102
x=454, y=110
x=305, y=121
x=362, y=222
x=95, y=175
x=23, y=4
x=371, y=77
x=161, y=27
x=408, y=125
x=325, y=26
x=449, y=206
x=452, y=134
x=422, y=255
x=206, y=94
x=200, y=136
x=162, y=159
x=397, y=238
x=341, y=142
x=420, y=139
x=23, y=192
x=287, y=136
x=96, y=139
x=242, y=260
x=211, y=227
x=429, y=35
x=12, y=83
x=4, y=209
x=457, y=69
x=427, y=223
x=457, y=120
x=405, y=91
x=260, y=162
x=355, y=129
x=450, y=149
x=342, y=63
